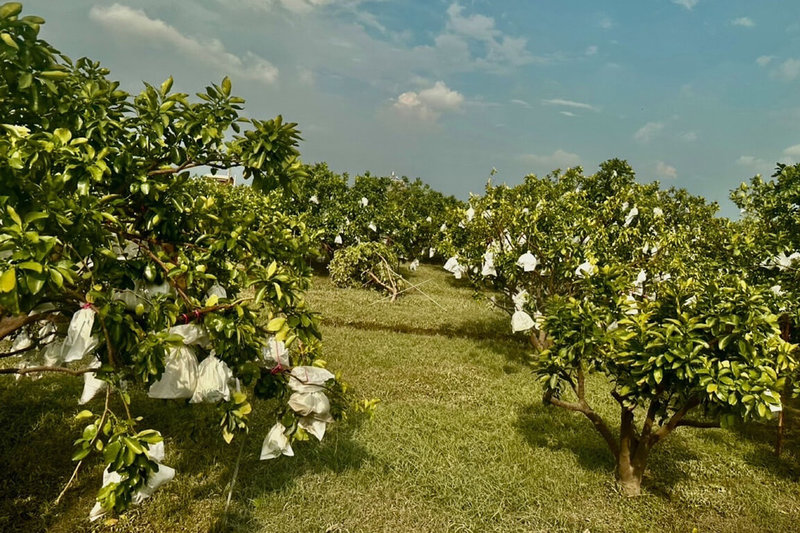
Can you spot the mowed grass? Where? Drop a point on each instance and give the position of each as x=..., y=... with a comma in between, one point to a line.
x=460, y=442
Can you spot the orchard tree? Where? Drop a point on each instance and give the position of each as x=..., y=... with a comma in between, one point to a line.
x=636, y=283
x=406, y=215
x=771, y=221
x=116, y=267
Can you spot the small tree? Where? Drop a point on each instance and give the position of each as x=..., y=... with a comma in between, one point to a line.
x=369, y=264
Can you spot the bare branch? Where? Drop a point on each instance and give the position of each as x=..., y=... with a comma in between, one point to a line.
x=667, y=428
x=698, y=423
x=37, y=369
x=11, y=324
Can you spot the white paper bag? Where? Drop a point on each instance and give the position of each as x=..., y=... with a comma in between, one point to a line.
x=213, y=376
x=179, y=379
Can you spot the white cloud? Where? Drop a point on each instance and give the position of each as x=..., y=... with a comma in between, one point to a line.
x=522, y=103
x=569, y=103
x=792, y=151
x=745, y=22
x=666, y=171
x=591, y=50
x=763, y=61
x=689, y=136
x=647, y=132
x=752, y=163
x=500, y=49
x=558, y=159
x=429, y=104
x=125, y=20
x=606, y=23
x=295, y=6
x=568, y=113
x=788, y=70
x=688, y=4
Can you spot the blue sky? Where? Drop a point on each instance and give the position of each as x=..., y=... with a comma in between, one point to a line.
x=701, y=94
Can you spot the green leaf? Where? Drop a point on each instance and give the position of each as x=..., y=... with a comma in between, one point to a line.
x=24, y=81
x=9, y=40
x=226, y=86
x=81, y=453
x=14, y=216
x=166, y=86
x=133, y=444
x=276, y=324
x=31, y=265
x=63, y=135
x=84, y=414
x=8, y=281
x=10, y=9
x=53, y=74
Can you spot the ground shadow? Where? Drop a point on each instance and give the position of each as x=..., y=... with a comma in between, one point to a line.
x=556, y=429
x=37, y=417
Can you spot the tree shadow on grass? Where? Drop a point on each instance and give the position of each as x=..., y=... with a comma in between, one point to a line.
x=337, y=453
x=37, y=437
x=762, y=455
x=39, y=428
x=556, y=429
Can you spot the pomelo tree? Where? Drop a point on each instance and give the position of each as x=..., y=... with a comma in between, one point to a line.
x=639, y=284
x=771, y=221
x=116, y=267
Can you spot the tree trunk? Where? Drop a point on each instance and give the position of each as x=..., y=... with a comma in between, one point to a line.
x=630, y=471
x=632, y=457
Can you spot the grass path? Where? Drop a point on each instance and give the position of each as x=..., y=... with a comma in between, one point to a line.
x=460, y=442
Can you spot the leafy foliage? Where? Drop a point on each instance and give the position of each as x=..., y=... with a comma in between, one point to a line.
x=115, y=265
x=641, y=284
x=407, y=215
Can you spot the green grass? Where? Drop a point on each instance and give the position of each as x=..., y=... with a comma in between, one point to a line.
x=461, y=442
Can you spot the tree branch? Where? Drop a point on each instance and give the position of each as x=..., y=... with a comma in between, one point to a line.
x=37, y=369
x=163, y=266
x=11, y=324
x=667, y=428
x=91, y=444
x=698, y=423
x=585, y=408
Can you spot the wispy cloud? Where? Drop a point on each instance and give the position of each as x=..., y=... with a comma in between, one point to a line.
x=429, y=104
x=558, y=159
x=788, y=70
x=793, y=152
x=745, y=22
x=569, y=103
x=606, y=23
x=664, y=170
x=591, y=50
x=763, y=61
x=688, y=4
x=135, y=22
x=522, y=103
x=647, y=132
x=689, y=136
x=568, y=113
x=752, y=163
x=500, y=49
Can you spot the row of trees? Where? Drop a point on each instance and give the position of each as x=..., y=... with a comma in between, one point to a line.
x=687, y=315
x=407, y=215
